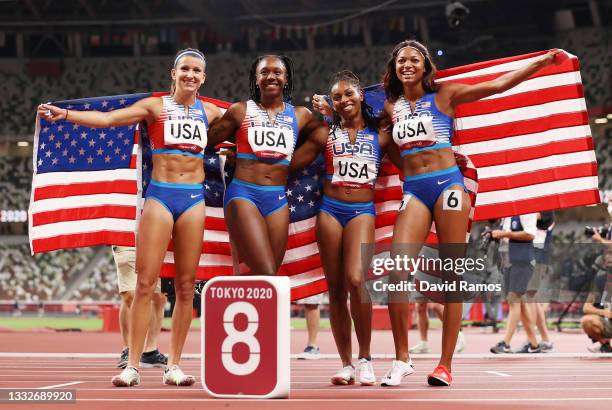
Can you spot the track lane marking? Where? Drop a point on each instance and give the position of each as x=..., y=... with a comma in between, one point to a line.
x=433, y=356
x=333, y=389
x=497, y=373
x=290, y=400
x=60, y=385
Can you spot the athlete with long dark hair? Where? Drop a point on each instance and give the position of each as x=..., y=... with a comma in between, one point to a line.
x=422, y=113
x=353, y=146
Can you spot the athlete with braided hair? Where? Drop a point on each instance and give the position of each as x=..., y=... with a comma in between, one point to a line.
x=265, y=129
x=353, y=144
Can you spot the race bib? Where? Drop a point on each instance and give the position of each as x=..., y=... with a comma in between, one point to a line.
x=452, y=199
x=414, y=133
x=271, y=142
x=187, y=134
x=353, y=171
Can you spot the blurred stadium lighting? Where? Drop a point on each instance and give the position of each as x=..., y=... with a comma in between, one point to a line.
x=456, y=13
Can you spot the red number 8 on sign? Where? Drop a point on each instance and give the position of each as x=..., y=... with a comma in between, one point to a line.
x=245, y=337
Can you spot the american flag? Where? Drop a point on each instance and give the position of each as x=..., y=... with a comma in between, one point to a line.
x=531, y=146
x=84, y=182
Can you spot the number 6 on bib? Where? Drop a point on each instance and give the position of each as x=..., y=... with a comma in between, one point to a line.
x=245, y=337
x=452, y=199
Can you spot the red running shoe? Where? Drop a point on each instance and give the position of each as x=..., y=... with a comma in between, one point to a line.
x=441, y=376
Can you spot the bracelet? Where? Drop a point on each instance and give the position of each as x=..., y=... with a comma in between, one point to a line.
x=66, y=114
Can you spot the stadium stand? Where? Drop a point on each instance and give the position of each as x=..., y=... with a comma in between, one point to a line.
x=47, y=276
x=227, y=75
x=15, y=182
x=40, y=277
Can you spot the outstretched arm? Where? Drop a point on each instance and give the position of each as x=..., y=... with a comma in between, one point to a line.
x=309, y=150
x=462, y=93
x=224, y=129
x=135, y=113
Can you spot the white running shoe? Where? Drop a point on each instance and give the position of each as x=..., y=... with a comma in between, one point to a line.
x=310, y=353
x=398, y=371
x=127, y=378
x=594, y=348
x=366, y=373
x=174, y=376
x=460, y=342
x=346, y=375
x=420, y=348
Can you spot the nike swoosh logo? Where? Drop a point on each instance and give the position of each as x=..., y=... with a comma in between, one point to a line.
x=195, y=196
x=281, y=197
x=441, y=182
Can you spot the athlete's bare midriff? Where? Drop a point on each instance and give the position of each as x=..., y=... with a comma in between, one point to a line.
x=343, y=193
x=178, y=169
x=260, y=173
x=428, y=161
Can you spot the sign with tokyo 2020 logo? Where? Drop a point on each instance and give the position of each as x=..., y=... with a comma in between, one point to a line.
x=245, y=336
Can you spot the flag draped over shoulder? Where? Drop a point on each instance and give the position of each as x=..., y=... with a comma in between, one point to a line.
x=530, y=149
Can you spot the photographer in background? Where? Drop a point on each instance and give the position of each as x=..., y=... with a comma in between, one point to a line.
x=603, y=234
x=597, y=319
x=518, y=232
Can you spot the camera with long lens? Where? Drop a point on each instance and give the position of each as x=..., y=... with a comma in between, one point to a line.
x=487, y=238
x=590, y=231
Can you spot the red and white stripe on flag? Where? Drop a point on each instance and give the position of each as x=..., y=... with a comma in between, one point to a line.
x=532, y=144
x=76, y=209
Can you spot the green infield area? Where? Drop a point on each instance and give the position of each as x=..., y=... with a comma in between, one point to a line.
x=95, y=324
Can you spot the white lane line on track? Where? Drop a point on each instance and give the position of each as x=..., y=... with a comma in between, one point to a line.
x=298, y=373
x=435, y=356
x=294, y=377
x=60, y=385
x=334, y=389
x=594, y=380
x=497, y=373
x=294, y=370
x=283, y=403
x=511, y=367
